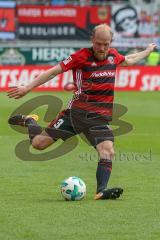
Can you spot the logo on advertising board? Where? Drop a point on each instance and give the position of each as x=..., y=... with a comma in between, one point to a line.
x=139, y=78
x=46, y=31
x=103, y=13
x=48, y=22
x=12, y=57
x=125, y=20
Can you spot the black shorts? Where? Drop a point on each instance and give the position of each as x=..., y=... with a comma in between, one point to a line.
x=71, y=122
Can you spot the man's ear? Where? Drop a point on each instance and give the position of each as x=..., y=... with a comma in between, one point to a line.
x=112, y=36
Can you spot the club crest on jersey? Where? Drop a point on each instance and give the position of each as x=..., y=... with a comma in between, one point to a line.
x=67, y=60
x=111, y=59
x=94, y=64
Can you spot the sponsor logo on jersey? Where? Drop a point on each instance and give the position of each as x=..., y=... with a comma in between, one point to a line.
x=102, y=74
x=67, y=60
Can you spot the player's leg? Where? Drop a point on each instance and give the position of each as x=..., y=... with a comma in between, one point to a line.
x=106, y=154
x=42, y=141
x=38, y=138
x=61, y=127
x=101, y=137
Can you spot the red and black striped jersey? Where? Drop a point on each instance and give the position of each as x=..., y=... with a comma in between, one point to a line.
x=94, y=80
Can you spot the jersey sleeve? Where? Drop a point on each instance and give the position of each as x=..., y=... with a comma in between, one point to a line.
x=74, y=61
x=119, y=57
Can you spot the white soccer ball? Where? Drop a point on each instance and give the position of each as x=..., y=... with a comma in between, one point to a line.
x=73, y=188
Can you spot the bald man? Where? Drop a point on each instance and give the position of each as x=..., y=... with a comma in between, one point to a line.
x=90, y=110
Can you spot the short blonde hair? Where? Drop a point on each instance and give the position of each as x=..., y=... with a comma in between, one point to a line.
x=105, y=26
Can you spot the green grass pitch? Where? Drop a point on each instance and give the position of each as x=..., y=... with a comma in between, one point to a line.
x=31, y=206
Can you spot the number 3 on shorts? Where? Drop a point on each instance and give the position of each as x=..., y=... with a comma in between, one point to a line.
x=58, y=123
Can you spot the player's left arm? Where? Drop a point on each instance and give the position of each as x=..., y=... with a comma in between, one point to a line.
x=136, y=57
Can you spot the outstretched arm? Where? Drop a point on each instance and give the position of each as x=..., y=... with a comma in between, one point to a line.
x=20, y=91
x=136, y=57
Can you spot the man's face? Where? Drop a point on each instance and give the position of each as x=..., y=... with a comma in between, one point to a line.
x=101, y=45
x=129, y=25
x=126, y=21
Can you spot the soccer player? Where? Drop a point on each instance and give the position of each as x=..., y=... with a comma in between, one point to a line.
x=90, y=110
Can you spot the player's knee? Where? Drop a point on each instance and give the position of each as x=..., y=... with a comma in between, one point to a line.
x=39, y=143
x=106, y=151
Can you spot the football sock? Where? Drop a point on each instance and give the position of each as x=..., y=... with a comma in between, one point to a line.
x=33, y=128
x=103, y=173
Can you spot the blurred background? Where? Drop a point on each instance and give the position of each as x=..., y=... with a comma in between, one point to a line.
x=37, y=34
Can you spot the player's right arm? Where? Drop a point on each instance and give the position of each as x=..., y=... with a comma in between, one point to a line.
x=20, y=91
